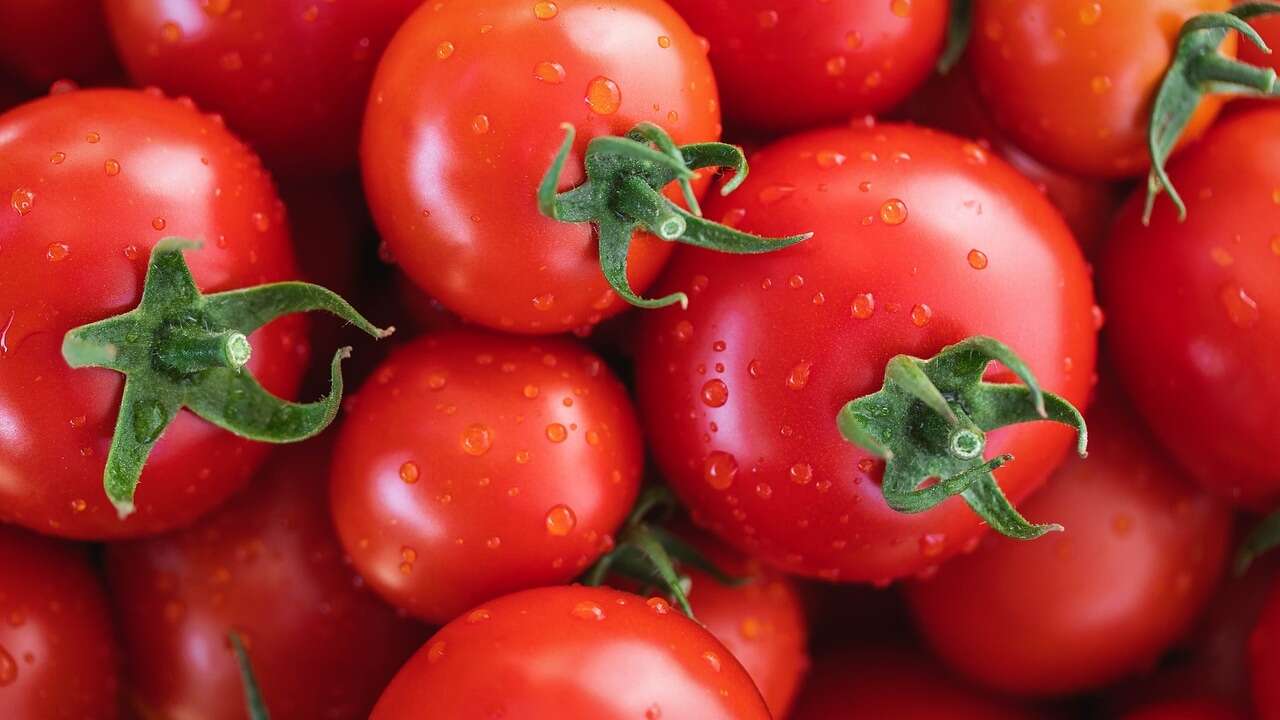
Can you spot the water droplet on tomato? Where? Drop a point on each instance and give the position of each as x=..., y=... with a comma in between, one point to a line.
x=544, y=10
x=1100, y=84
x=560, y=520
x=921, y=314
x=932, y=544
x=901, y=8
x=798, y=378
x=478, y=616
x=57, y=252
x=158, y=223
x=893, y=212
x=22, y=200
x=830, y=158
x=556, y=433
x=549, y=72
x=261, y=221
x=774, y=193
x=664, y=41
x=767, y=19
x=801, y=473
x=1090, y=13
x=653, y=712
x=1241, y=308
x=170, y=32
x=480, y=124
x=444, y=50
x=476, y=440
x=544, y=302
x=587, y=610
x=977, y=259
x=111, y=167
x=712, y=659
x=719, y=469
x=58, y=157
x=603, y=96
x=836, y=65
x=409, y=472
x=435, y=651
x=93, y=138
x=715, y=393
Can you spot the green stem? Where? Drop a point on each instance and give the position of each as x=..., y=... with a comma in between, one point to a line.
x=190, y=350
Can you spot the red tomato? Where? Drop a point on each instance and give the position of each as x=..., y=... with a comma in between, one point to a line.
x=94, y=179
x=1264, y=659
x=887, y=682
x=1268, y=26
x=1197, y=342
x=464, y=118
x=269, y=567
x=472, y=465
x=46, y=40
x=572, y=652
x=58, y=654
x=1141, y=553
x=290, y=76
x=1185, y=710
x=921, y=240
x=1039, y=67
x=791, y=65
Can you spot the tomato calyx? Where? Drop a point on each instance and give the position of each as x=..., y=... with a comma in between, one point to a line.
x=1264, y=538
x=623, y=192
x=254, y=705
x=179, y=348
x=959, y=26
x=1199, y=69
x=929, y=421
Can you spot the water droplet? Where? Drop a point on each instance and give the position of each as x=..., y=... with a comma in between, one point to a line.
x=673, y=116
x=921, y=314
x=977, y=259
x=773, y=193
x=549, y=72
x=22, y=200
x=658, y=605
x=522, y=457
x=93, y=138
x=444, y=50
x=409, y=472
x=932, y=544
x=1100, y=84
x=587, y=610
x=664, y=41
x=493, y=543
x=715, y=393
x=901, y=8
x=545, y=10
x=712, y=659
x=801, y=473
x=170, y=32
x=435, y=652
x=158, y=223
x=683, y=330
x=261, y=221
x=478, y=616
x=836, y=65
x=560, y=520
x=111, y=167
x=480, y=124
x=593, y=437
x=764, y=490
x=544, y=302
x=767, y=19
x=798, y=378
x=719, y=469
x=603, y=96
x=476, y=440
x=830, y=158
x=57, y=252
x=893, y=212
x=1090, y=13
x=556, y=433
x=530, y=391
x=58, y=157
x=78, y=505
x=795, y=282
x=1240, y=307
x=873, y=79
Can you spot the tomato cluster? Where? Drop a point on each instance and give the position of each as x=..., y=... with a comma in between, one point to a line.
x=787, y=359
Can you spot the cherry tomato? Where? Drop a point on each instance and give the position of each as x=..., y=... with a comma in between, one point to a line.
x=921, y=240
x=1039, y=68
x=792, y=65
x=1196, y=344
x=1195, y=709
x=1142, y=551
x=94, y=179
x=42, y=41
x=472, y=465
x=290, y=76
x=269, y=567
x=58, y=653
x=572, y=652
x=1264, y=659
x=464, y=119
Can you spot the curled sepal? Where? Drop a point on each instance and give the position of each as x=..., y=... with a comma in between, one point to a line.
x=929, y=422
x=1262, y=539
x=254, y=705
x=959, y=26
x=623, y=193
x=1198, y=69
x=180, y=348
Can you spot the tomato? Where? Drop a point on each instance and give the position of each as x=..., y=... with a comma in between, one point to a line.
x=472, y=465
x=269, y=567
x=42, y=41
x=1264, y=659
x=921, y=239
x=1039, y=69
x=1268, y=27
x=464, y=119
x=792, y=65
x=1185, y=710
x=1142, y=551
x=94, y=179
x=1196, y=343
x=58, y=654
x=890, y=682
x=572, y=651
x=289, y=76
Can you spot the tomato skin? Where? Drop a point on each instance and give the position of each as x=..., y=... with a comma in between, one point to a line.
x=269, y=566
x=59, y=658
x=473, y=464
x=290, y=76
x=1268, y=27
x=793, y=65
x=1142, y=551
x=1264, y=659
x=780, y=333
x=80, y=254
x=1196, y=347
x=454, y=148
x=572, y=651
x=1037, y=66
x=42, y=41
x=1185, y=710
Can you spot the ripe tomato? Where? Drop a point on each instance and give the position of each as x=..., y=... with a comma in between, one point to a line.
x=1142, y=551
x=94, y=179
x=1195, y=709
x=1268, y=26
x=1264, y=659
x=269, y=567
x=922, y=239
x=464, y=118
x=572, y=652
x=472, y=465
x=1039, y=68
x=42, y=41
x=792, y=65
x=290, y=76
x=58, y=654
x=1197, y=344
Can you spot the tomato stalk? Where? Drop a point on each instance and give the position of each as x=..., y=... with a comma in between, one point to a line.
x=623, y=193
x=255, y=706
x=929, y=422
x=1262, y=539
x=180, y=348
x=959, y=25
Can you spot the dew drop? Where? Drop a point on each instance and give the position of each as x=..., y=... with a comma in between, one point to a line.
x=111, y=167
x=712, y=659
x=1100, y=84
x=664, y=41
x=480, y=124
x=530, y=391
x=683, y=330
x=932, y=544
x=444, y=50
x=93, y=138
x=798, y=378
x=1090, y=13
x=435, y=653
x=719, y=469
x=548, y=72
x=901, y=8
x=409, y=472
x=57, y=252
x=158, y=223
x=893, y=212
x=545, y=10
x=774, y=193
x=170, y=32
x=1241, y=308
x=767, y=19
x=556, y=433
x=560, y=520
x=478, y=616
x=58, y=157
x=836, y=65
x=603, y=96
x=827, y=159
x=22, y=200
x=977, y=259
x=261, y=221
x=921, y=314
x=544, y=303
x=476, y=440
x=715, y=393
x=587, y=610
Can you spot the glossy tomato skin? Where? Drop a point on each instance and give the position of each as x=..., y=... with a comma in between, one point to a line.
x=464, y=118
x=1059, y=98
x=1142, y=551
x=572, y=652
x=1197, y=345
x=1264, y=659
x=740, y=392
x=472, y=465
x=268, y=566
x=59, y=658
x=793, y=65
x=290, y=76
x=42, y=41
x=94, y=179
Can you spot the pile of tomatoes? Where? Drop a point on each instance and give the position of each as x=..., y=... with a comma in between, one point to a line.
x=792, y=359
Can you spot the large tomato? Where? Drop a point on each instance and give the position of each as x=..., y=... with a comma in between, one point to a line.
x=58, y=654
x=94, y=179
x=792, y=65
x=922, y=239
x=1264, y=659
x=290, y=76
x=464, y=118
x=572, y=652
x=43, y=41
x=1198, y=341
x=472, y=465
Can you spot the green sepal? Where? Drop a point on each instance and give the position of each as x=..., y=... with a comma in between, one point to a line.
x=929, y=421
x=623, y=193
x=1198, y=69
x=959, y=27
x=181, y=349
x=254, y=705
x=1262, y=539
